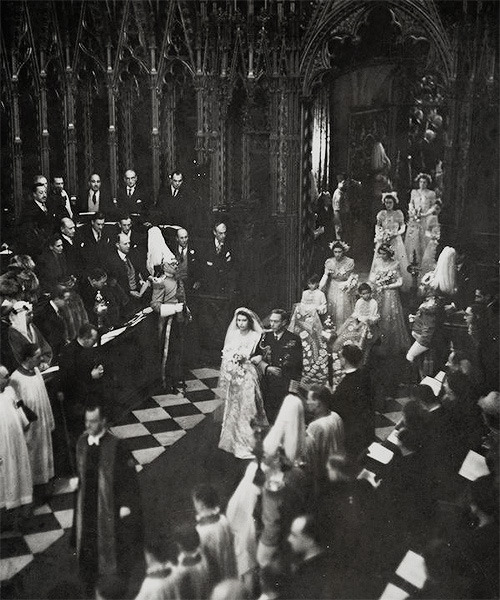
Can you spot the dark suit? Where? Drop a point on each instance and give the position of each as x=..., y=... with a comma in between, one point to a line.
x=51, y=268
x=75, y=368
x=56, y=204
x=285, y=353
x=116, y=299
x=36, y=228
x=94, y=252
x=174, y=210
x=217, y=270
x=51, y=324
x=73, y=254
x=116, y=268
x=138, y=245
x=352, y=400
x=188, y=270
x=137, y=203
x=105, y=202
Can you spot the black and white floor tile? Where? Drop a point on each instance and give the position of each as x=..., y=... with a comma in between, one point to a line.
x=150, y=429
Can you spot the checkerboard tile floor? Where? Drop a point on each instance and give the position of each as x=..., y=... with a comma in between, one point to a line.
x=150, y=429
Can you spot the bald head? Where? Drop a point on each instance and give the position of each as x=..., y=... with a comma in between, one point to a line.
x=130, y=178
x=182, y=237
x=68, y=227
x=123, y=243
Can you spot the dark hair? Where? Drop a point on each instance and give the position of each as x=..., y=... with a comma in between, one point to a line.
x=282, y=312
x=385, y=249
x=111, y=587
x=159, y=546
x=35, y=186
x=54, y=238
x=94, y=402
x=352, y=354
x=248, y=316
x=321, y=393
x=312, y=528
x=459, y=356
x=97, y=273
x=484, y=495
x=313, y=279
x=207, y=494
x=364, y=287
x=86, y=331
x=98, y=215
x=423, y=393
x=58, y=291
x=28, y=351
x=344, y=465
x=217, y=223
x=459, y=384
x=124, y=216
x=337, y=244
x=187, y=537
x=416, y=420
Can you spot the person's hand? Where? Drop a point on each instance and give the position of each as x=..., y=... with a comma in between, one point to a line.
x=275, y=371
x=411, y=318
x=135, y=294
x=196, y=285
x=256, y=360
x=97, y=372
x=43, y=366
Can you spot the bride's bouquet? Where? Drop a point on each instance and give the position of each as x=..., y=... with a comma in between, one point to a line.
x=234, y=364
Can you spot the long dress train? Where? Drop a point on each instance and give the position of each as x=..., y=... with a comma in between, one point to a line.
x=239, y=381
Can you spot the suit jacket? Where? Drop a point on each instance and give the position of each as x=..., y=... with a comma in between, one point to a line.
x=74, y=256
x=105, y=202
x=57, y=206
x=217, y=270
x=352, y=400
x=138, y=245
x=115, y=297
x=188, y=270
x=52, y=326
x=138, y=203
x=117, y=269
x=285, y=353
x=313, y=578
x=50, y=269
x=36, y=227
x=174, y=210
x=94, y=253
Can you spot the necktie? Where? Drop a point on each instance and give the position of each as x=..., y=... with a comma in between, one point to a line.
x=219, y=248
x=94, y=199
x=129, y=191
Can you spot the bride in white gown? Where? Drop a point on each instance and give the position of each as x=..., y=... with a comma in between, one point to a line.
x=239, y=381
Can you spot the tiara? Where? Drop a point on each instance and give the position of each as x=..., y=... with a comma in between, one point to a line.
x=392, y=195
x=345, y=247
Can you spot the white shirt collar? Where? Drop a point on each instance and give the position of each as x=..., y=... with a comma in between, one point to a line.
x=94, y=440
x=52, y=303
x=121, y=255
x=68, y=239
x=41, y=205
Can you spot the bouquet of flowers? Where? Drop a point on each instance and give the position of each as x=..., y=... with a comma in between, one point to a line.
x=414, y=213
x=234, y=365
x=385, y=278
x=350, y=284
x=382, y=236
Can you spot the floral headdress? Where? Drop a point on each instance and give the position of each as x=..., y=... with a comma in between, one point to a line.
x=339, y=244
x=392, y=195
x=423, y=176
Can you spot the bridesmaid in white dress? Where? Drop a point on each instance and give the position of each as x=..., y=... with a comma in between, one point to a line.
x=421, y=208
x=239, y=381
